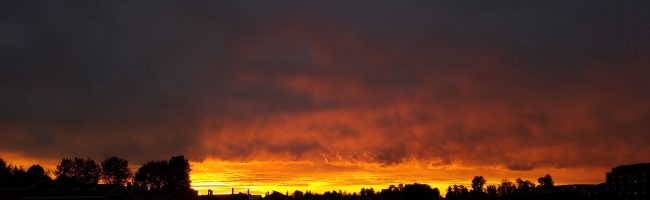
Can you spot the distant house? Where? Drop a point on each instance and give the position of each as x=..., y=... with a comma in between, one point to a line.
x=240, y=196
x=629, y=181
x=84, y=192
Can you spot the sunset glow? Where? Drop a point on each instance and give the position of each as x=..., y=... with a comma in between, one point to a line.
x=283, y=176
x=320, y=176
x=323, y=96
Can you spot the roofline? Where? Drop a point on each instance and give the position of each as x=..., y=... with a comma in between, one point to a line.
x=67, y=197
x=24, y=188
x=118, y=186
x=85, y=197
x=109, y=192
x=12, y=189
x=130, y=193
x=37, y=183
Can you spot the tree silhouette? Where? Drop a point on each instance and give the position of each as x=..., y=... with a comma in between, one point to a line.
x=524, y=185
x=436, y=193
x=4, y=172
x=464, y=193
x=477, y=187
x=152, y=175
x=420, y=191
x=367, y=193
x=457, y=192
x=172, y=175
x=10, y=172
x=451, y=193
x=506, y=188
x=77, y=170
x=179, y=174
x=393, y=192
x=298, y=194
x=491, y=192
x=477, y=184
x=545, y=182
x=115, y=171
x=36, y=172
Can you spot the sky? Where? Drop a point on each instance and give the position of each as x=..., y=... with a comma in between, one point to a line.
x=285, y=95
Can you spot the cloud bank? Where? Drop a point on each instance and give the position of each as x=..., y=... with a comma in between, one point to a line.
x=521, y=85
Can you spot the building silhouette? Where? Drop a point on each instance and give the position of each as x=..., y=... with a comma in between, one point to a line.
x=629, y=181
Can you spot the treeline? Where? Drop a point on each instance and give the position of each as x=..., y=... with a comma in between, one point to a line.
x=173, y=176
x=17, y=174
x=478, y=190
x=520, y=189
x=399, y=192
x=156, y=175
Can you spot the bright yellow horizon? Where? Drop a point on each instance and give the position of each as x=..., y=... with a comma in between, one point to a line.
x=320, y=176
x=261, y=177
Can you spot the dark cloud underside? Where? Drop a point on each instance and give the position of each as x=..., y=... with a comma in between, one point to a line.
x=518, y=84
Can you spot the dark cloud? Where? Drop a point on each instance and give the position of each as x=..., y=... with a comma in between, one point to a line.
x=490, y=83
x=520, y=166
